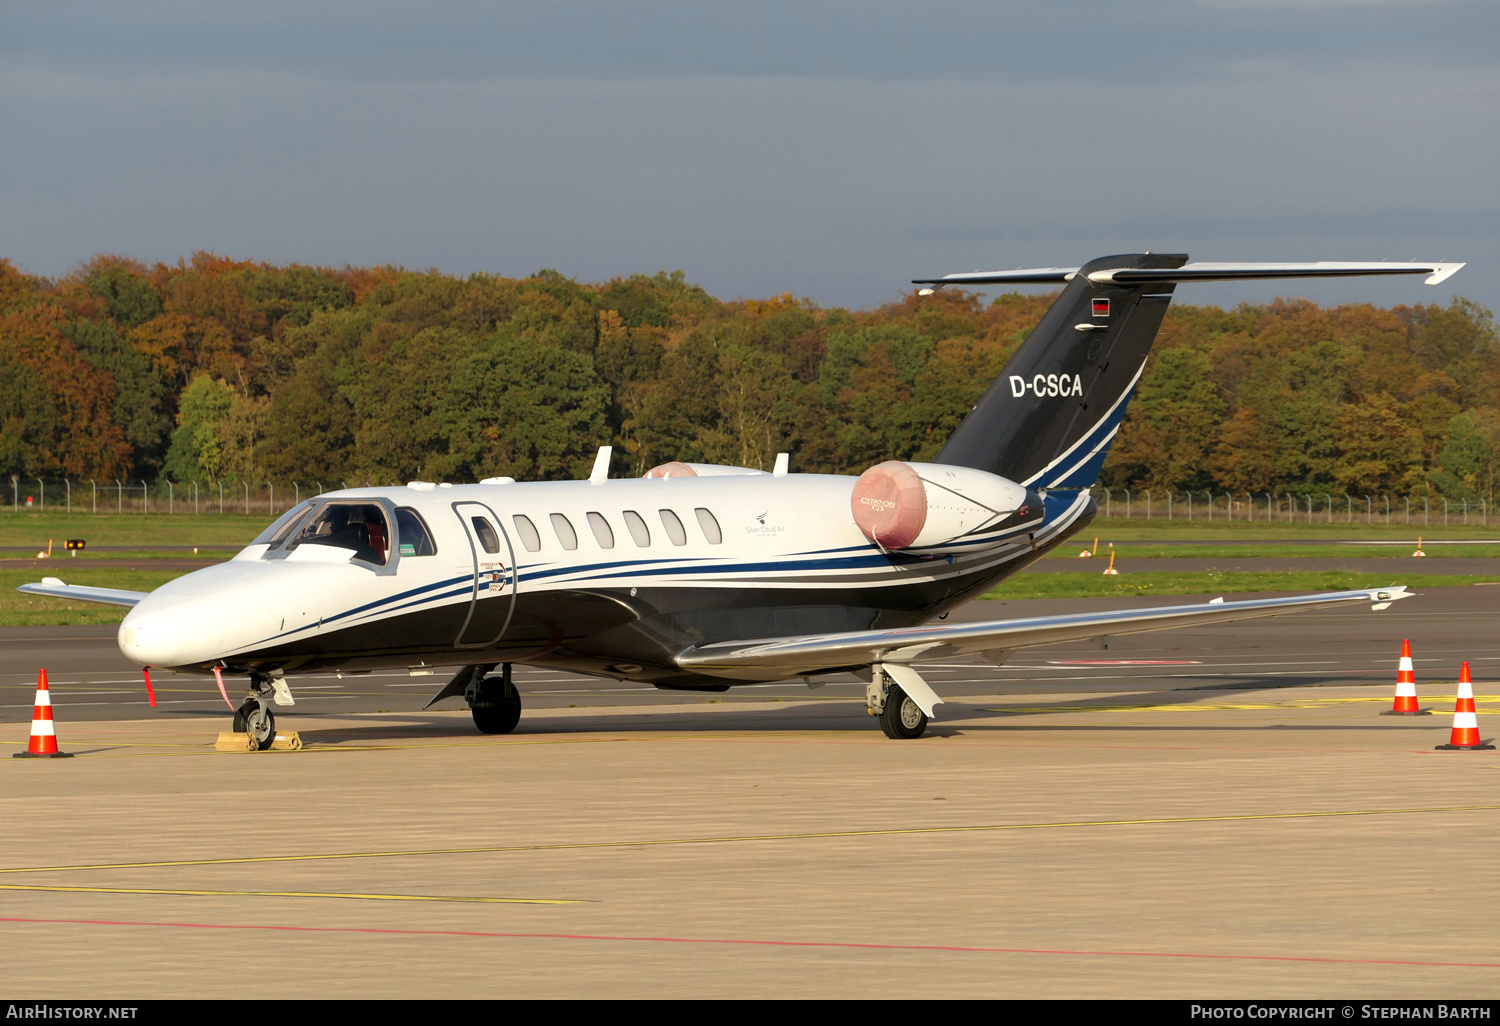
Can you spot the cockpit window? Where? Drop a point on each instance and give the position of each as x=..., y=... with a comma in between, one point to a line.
x=412, y=533
x=358, y=526
x=284, y=525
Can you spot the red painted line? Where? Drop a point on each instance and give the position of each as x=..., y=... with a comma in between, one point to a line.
x=382, y=931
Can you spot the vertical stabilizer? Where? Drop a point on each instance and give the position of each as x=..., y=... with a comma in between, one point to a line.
x=1048, y=420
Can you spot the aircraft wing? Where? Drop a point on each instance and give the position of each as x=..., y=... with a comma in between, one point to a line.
x=54, y=588
x=821, y=653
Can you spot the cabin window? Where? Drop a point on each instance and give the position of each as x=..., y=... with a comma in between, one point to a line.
x=360, y=526
x=528, y=532
x=601, y=529
x=285, y=524
x=709, y=525
x=637, y=528
x=412, y=533
x=673, y=527
x=564, y=531
x=485, y=532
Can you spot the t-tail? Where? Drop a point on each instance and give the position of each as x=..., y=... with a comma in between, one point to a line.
x=1049, y=419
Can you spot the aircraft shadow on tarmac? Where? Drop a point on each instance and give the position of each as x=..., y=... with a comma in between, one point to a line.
x=791, y=719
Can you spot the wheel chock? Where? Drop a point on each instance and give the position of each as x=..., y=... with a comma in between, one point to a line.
x=238, y=741
x=234, y=741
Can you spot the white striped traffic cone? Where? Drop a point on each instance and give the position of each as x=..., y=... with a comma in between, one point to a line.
x=43, y=737
x=1406, y=687
x=1465, y=725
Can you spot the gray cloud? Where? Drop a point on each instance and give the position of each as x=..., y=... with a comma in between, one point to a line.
x=1068, y=40
x=836, y=166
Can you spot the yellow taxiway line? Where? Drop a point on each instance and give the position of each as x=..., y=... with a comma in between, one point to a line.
x=291, y=894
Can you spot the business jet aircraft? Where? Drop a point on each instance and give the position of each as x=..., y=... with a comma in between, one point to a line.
x=700, y=577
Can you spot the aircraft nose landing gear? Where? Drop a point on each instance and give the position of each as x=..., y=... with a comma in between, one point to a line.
x=254, y=716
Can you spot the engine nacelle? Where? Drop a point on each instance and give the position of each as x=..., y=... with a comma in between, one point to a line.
x=917, y=505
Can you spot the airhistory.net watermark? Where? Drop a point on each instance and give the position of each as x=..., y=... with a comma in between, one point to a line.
x=46, y=1010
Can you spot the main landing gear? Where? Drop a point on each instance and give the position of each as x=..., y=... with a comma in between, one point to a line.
x=900, y=717
x=494, y=702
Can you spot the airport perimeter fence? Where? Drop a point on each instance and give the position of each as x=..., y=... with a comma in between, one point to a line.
x=1289, y=507
x=86, y=495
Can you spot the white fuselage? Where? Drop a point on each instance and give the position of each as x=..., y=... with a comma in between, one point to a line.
x=583, y=567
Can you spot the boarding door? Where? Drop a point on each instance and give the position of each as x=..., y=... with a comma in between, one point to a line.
x=492, y=562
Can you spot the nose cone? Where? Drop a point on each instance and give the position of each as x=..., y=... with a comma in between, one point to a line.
x=172, y=630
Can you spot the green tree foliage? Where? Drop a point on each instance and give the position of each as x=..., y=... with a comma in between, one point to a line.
x=213, y=368
x=198, y=446
x=1177, y=415
x=1471, y=458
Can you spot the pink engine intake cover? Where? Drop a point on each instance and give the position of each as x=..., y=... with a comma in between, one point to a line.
x=890, y=504
x=673, y=469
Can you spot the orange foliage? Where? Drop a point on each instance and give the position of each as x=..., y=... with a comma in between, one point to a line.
x=74, y=430
x=178, y=344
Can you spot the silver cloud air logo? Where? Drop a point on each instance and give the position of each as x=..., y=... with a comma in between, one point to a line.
x=760, y=527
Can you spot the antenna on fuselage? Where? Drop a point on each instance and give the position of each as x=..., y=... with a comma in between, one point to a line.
x=600, y=473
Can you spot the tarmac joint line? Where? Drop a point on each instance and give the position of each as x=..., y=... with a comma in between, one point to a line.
x=746, y=838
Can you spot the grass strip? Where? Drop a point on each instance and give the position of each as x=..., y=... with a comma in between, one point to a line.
x=18, y=609
x=33, y=529
x=1137, y=528
x=1229, y=549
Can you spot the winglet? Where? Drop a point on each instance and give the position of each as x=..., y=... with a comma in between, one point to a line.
x=600, y=473
x=1381, y=598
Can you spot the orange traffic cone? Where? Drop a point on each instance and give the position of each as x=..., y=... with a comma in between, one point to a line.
x=43, y=737
x=1465, y=726
x=1110, y=570
x=1406, y=687
x=1419, y=551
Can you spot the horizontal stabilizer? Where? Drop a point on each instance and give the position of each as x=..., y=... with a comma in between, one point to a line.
x=1020, y=276
x=54, y=588
x=818, y=653
x=1436, y=272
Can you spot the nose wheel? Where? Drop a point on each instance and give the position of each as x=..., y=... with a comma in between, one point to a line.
x=255, y=719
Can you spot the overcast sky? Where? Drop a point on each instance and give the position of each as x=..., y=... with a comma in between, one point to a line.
x=832, y=149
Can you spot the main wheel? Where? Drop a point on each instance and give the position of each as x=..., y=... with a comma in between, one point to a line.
x=497, y=708
x=256, y=720
x=901, y=718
